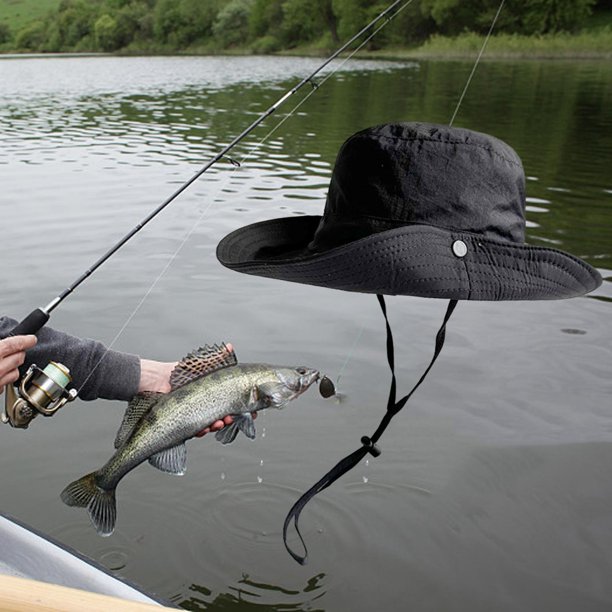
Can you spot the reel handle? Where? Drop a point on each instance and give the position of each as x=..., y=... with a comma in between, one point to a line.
x=33, y=323
x=17, y=412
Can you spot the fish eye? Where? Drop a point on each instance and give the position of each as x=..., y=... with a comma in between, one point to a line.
x=301, y=371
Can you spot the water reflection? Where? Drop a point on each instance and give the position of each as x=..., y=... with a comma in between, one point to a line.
x=182, y=113
x=244, y=595
x=511, y=431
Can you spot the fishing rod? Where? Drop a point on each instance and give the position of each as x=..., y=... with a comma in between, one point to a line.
x=44, y=391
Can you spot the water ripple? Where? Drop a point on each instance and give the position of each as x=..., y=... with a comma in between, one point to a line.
x=492, y=482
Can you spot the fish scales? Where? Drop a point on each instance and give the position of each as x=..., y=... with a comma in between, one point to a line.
x=183, y=413
x=169, y=420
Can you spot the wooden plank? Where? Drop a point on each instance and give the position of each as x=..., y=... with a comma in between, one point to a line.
x=23, y=595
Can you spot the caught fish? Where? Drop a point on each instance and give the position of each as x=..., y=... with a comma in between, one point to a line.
x=206, y=385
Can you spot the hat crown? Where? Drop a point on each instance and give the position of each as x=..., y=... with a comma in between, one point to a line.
x=395, y=175
x=415, y=209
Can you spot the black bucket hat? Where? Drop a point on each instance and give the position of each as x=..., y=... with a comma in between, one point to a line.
x=415, y=209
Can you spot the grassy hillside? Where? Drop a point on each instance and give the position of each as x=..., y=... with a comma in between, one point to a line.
x=17, y=13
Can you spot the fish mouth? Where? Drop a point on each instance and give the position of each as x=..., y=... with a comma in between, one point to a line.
x=309, y=377
x=294, y=386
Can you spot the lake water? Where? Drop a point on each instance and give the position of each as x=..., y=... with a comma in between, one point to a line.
x=493, y=491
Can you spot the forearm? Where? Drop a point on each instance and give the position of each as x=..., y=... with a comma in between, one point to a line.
x=96, y=371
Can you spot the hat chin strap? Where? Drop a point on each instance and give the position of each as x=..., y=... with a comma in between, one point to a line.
x=368, y=444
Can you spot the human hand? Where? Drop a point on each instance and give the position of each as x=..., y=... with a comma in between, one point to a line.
x=155, y=376
x=12, y=355
x=220, y=424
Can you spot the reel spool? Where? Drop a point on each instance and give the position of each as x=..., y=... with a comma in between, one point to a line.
x=40, y=391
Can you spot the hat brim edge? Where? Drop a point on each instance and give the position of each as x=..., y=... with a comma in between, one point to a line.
x=410, y=260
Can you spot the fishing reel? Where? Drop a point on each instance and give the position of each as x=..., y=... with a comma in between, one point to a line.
x=39, y=391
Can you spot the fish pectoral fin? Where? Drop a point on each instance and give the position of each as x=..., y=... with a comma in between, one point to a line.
x=246, y=425
x=242, y=422
x=139, y=406
x=228, y=434
x=172, y=460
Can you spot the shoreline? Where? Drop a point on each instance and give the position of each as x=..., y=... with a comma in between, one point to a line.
x=463, y=48
x=397, y=56
x=510, y=56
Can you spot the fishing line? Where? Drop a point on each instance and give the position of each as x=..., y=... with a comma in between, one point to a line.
x=145, y=297
x=467, y=85
x=280, y=123
x=39, y=317
x=248, y=155
x=330, y=74
x=350, y=354
x=292, y=112
x=484, y=44
x=368, y=443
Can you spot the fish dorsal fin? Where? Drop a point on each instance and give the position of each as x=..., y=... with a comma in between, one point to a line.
x=139, y=405
x=200, y=362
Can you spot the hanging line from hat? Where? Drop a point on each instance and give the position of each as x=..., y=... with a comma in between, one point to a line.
x=368, y=444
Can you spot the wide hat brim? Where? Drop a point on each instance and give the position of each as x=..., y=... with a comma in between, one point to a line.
x=418, y=260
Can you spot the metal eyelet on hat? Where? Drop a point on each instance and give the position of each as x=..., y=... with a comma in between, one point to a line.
x=459, y=248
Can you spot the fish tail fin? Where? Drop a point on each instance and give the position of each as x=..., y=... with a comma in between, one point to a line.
x=80, y=492
x=100, y=503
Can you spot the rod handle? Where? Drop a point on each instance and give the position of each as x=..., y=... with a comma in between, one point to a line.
x=33, y=323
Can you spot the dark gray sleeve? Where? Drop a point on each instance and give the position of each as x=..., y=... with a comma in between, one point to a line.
x=112, y=375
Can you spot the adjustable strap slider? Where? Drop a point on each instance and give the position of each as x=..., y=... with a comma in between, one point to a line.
x=372, y=448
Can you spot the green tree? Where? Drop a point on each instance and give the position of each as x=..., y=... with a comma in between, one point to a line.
x=31, y=37
x=199, y=16
x=265, y=17
x=107, y=33
x=166, y=21
x=542, y=16
x=74, y=21
x=409, y=27
x=352, y=15
x=302, y=22
x=454, y=16
x=520, y=16
x=231, y=27
x=327, y=13
x=305, y=20
x=5, y=33
x=134, y=21
x=181, y=22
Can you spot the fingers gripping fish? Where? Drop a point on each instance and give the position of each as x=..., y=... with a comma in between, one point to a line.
x=207, y=385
